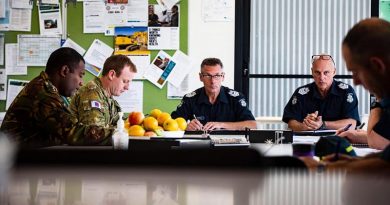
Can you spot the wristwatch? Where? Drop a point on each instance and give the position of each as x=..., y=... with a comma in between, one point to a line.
x=375, y=104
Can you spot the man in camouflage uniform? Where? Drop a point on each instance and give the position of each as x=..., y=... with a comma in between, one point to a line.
x=39, y=115
x=214, y=106
x=94, y=105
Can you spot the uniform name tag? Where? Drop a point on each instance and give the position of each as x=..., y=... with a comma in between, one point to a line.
x=96, y=104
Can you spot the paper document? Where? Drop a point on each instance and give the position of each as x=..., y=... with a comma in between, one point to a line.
x=164, y=38
x=97, y=54
x=218, y=10
x=71, y=44
x=137, y=13
x=178, y=92
x=93, y=20
x=132, y=99
x=131, y=40
x=34, y=50
x=21, y=4
x=14, y=87
x=20, y=20
x=115, y=15
x=181, y=69
x=50, y=19
x=1, y=49
x=141, y=62
x=11, y=66
x=3, y=84
x=5, y=13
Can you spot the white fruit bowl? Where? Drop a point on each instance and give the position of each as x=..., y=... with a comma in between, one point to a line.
x=173, y=134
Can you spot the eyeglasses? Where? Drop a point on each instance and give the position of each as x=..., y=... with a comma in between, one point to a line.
x=209, y=77
x=322, y=57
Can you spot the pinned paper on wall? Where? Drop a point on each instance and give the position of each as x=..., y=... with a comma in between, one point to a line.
x=5, y=13
x=97, y=54
x=21, y=4
x=141, y=62
x=165, y=68
x=217, y=10
x=34, y=50
x=11, y=66
x=178, y=92
x=93, y=19
x=115, y=15
x=3, y=84
x=20, y=20
x=1, y=49
x=14, y=87
x=71, y=44
x=132, y=99
x=49, y=19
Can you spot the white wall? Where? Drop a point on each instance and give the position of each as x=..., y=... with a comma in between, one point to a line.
x=209, y=39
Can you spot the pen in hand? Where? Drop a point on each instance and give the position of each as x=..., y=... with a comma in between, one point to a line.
x=347, y=127
x=361, y=126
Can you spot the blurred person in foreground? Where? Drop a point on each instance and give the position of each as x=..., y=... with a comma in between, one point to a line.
x=366, y=52
x=323, y=104
x=94, y=106
x=39, y=116
x=214, y=106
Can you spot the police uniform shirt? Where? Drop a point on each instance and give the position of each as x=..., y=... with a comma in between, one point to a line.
x=230, y=106
x=382, y=126
x=340, y=103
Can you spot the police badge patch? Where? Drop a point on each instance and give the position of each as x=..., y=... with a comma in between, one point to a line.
x=243, y=102
x=303, y=91
x=350, y=98
x=233, y=93
x=294, y=100
x=191, y=94
x=343, y=86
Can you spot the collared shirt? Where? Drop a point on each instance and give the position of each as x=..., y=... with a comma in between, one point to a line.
x=97, y=112
x=38, y=116
x=340, y=103
x=382, y=126
x=230, y=106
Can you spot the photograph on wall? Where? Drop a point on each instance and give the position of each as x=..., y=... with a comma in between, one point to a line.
x=131, y=40
x=161, y=17
x=159, y=69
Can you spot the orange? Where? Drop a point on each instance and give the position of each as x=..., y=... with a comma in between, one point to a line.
x=163, y=117
x=150, y=123
x=127, y=124
x=182, y=123
x=136, y=130
x=171, y=125
x=150, y=134
x=155, y=113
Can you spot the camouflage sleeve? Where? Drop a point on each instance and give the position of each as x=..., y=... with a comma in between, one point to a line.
x=93, y=127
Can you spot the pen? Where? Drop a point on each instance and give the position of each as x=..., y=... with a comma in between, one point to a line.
x=347, y=127
x=361, y=126
x=195, y=117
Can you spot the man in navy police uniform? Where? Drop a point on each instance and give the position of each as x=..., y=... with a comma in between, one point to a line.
x=323, y=104
x=214, y=106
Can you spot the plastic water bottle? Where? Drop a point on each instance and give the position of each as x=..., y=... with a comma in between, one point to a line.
x=120, y=138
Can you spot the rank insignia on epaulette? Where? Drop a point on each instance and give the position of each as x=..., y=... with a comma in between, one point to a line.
x=191, y=94
x=233, y=93
x=96, y=104
x=303, y=91
x=343, y=86
x=350, y=98
x=243, y=102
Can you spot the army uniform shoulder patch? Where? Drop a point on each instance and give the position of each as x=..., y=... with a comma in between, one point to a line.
x=233, y=93
x=343, y=86
x=191, y=94
x=303, y=91
x=96, y=104
x=350, y=97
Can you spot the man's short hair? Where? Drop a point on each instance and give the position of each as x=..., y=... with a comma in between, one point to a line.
x=117, y=63
x=211, y=62
x=63, y=56
x=369, y=37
